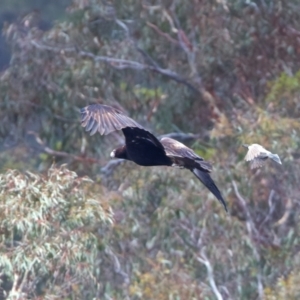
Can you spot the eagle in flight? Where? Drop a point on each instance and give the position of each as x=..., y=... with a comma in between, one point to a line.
x=143, y=148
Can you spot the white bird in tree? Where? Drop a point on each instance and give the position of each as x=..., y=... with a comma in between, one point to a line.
x=257, y=155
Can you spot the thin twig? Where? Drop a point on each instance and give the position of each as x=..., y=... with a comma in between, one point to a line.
x=250, y=224
x=26, y=274
x=271, y=210
x=166, y=35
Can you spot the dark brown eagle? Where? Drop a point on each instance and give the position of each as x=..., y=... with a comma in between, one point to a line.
x=143, y=148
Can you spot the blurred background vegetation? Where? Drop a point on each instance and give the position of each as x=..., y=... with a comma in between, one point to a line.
x=226, y=71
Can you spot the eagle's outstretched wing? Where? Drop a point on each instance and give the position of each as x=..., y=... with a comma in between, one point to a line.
x=104, y=119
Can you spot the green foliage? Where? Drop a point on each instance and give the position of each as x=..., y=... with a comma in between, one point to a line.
x=50, y=223
x=268, y=129
x=284, y=83
x=169, y=281
x=285, y=288
x=284, y=94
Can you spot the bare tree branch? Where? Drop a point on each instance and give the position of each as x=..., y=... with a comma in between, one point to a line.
x=185, y=43
x=250, y=225
x=287, y=212
x=121, y=63
x=111, y=166
x=181, y=136
x=210, y=273
x=50, y=151
x=25, y=276
x=117, y=265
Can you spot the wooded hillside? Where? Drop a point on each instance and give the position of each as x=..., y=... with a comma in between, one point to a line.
x=216, y=74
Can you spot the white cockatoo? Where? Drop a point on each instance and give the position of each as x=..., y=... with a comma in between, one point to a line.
x=257, y=155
